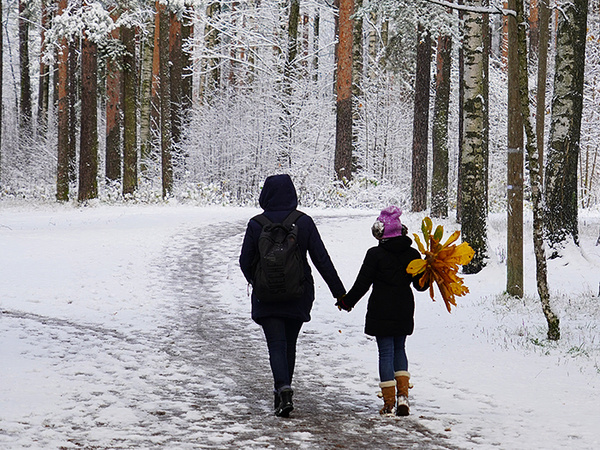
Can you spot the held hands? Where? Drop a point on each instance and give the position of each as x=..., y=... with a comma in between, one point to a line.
x=341, y=305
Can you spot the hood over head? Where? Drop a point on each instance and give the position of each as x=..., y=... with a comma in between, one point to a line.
x=278, y=194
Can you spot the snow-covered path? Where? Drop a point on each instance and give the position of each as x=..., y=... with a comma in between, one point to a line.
x=129, y=327
x=192, y=373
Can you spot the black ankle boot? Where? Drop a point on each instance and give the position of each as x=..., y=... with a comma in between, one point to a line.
x=276, y=400
x=286, y=405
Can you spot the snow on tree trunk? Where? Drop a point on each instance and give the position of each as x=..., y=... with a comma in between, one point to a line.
x=439, y=181
x=421, y=120
x=473, y=206
x=514, y=188
x=535, y=179
x=540, y=115
x=563, y=147
x=343, y=142
x=88, y=149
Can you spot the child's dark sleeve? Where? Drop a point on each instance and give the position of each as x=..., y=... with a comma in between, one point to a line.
x=416, y=279
x=364, y=280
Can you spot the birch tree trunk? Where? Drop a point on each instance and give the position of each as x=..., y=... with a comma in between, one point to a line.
x=343, y=129
x=474, y=208
x=514, y=232
x=130, y=147
x=1, y=83
x=88, y=149
x=62, y=170
x=540, y=114
x=439, y=182
x=561, y=219
x=536, y=183
x=146, y=96
x=421, y=120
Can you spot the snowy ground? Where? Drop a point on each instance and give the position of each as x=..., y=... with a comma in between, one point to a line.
x=128, y=327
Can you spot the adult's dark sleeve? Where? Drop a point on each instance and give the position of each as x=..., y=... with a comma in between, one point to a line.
x=322, y=261
x=248, y=253
x=364, y=280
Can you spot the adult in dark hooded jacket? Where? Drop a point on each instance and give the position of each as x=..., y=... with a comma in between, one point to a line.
x=282, y=321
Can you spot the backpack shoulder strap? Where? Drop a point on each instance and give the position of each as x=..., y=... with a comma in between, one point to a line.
x=262, y=220
x=292, y=217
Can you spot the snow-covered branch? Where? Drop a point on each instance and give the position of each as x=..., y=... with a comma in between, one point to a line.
x=475, y=9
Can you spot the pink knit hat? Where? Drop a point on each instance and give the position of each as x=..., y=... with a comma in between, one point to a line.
x=388, y=223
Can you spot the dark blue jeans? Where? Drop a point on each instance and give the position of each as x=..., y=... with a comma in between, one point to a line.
x=281, y=335
x=392, y=356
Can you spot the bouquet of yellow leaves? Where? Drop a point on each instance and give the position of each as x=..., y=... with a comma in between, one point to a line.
x=441, y=262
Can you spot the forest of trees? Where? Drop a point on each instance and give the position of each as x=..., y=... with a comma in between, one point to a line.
x=467, y=106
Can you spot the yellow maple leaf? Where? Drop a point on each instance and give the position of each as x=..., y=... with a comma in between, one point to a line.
x=441, y=263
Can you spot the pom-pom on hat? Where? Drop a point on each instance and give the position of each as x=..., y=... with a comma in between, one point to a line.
x=388, y=223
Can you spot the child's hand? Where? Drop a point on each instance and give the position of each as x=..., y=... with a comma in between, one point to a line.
x=341, y=305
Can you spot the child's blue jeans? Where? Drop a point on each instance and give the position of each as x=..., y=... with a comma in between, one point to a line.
x=392, y=356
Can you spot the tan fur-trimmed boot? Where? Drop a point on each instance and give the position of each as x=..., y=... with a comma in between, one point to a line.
x=388, y=390
x=402, y=380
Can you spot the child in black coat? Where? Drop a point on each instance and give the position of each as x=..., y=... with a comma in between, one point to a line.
x=390, y=311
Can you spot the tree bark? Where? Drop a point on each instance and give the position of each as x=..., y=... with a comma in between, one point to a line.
x=421, y=120
x=514, y=245
x=146, y=78
x=44, y=77
x=25, y=95
x=175, y=75
x=473, y=208
x=561, y=220
x=130, y=148
x=62, y=171
x=1, y=84
x=536, y=183
x=113, y=114
x=165, y=103
x=88, y=150
x=74, y=96
x=439, y=182
x=540, y=114
x=343, y=129
x=187, y=71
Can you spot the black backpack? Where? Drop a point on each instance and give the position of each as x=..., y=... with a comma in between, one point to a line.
x=278, y=269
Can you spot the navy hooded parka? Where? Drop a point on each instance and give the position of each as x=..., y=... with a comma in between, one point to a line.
x=278, y=198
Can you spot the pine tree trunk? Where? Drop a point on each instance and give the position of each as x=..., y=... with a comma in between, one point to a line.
x=62, y=172
x=473, y=208
x=536, y=182
x=514, y=248
x=113, y=114
x=343, y=141
x=165, y=102
x=439, y=182
x=88, y=149
x=421, y=120
x=25, y=96
x=561, y=219
x=176, y=74
x=74, y=97
x=130, y=150
x=44, y=77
